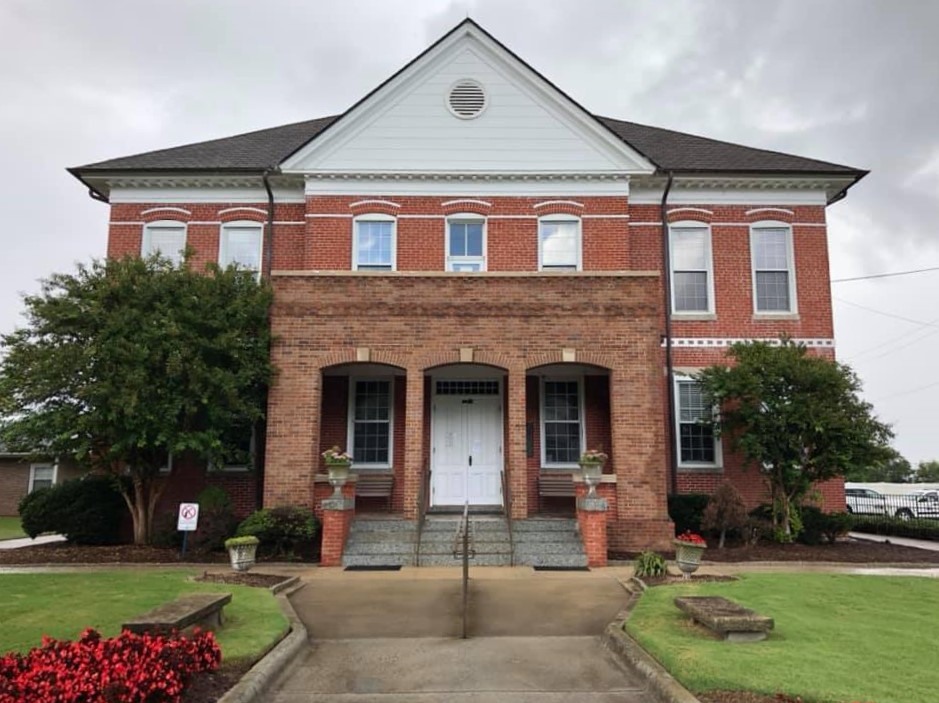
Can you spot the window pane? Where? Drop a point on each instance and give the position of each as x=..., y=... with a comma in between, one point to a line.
x=691, y=402
x=375, y=243
x=696, y=431
x=465, y=266
x=562, y=442
x=371, y=427
x=242, y=246
x=168, y=242
x=689, y=249
x=474, y=239
x=770, y=249
x=561, y=401
x=697, y=443
x=691, y=291
x=372, y=400
x=559, y=244
x=457, y=239
x=772, y=291
x=370, y=445
x=42, y=477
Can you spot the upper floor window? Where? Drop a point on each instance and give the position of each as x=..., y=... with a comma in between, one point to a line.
x=692, y=275
x=559, y=243
x=240, y=245
x=698, y=444
x=374, y=243
x=773, y=272
x=166, y=238
x=466, y=243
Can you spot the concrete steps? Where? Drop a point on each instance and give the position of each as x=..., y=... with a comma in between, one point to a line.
x=548, y=542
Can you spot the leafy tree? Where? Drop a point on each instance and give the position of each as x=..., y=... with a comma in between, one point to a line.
x=894, y=469
x=927, y=472
x=725, y=511
x=126, y=360
x=797, y=417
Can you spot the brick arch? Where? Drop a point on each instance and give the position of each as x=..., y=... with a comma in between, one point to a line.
x=375, y=206
x=349, y=356
x=777, y=214
x=477, y=207
x=242, y=214
x=697, y=214
x=169, y=213
x=586, y=358
x=475, y=362
x=559, y=207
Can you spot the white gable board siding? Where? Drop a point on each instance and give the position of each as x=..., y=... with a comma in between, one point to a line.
x=527, y=127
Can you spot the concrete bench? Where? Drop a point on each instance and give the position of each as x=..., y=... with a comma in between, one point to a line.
x=202, y=609
x=374, y=485
x=556, y=485
x=731, y=620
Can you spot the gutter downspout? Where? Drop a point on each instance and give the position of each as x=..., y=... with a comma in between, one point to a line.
x=669, y=365
x=261, y=427
x=269, y=240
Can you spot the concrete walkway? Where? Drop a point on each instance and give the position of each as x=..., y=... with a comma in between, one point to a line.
x=393, y=636
x=901, y=541
x=27, y=542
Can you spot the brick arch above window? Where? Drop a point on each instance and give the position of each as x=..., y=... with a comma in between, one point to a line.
x=167, y=213
x=352, y=355
x=375, y=206
x=770, y=213
x=250, y=214
x=696, y=214
x=582, y=357
x=466, y=205
x=559, y=207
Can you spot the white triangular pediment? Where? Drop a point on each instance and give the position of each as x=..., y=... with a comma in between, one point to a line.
x=528, y=126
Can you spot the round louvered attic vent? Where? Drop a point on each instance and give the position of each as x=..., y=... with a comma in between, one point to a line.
x=467, y=99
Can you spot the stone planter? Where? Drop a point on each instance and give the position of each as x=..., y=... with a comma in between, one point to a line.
x=242, y=556
x=338, y=476
x=591, y=473
x=688, y=556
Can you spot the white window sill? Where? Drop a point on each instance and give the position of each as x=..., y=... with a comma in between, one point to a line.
x=693, y=316
x=775, y=316
x=700, y=469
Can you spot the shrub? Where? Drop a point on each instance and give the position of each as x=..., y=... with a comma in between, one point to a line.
x=686, y=511
x=764, y=512
x=819, y=527
x=725, y=511
x=87, y=510
x=650, y=564
x=217, y=520
x=894, y=527
x=164, y=532
x=129, y=668
x=284, y=532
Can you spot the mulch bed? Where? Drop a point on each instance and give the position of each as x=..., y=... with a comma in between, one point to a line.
x=62, y=553
x=745, y=697
x=672, y=579
x=241, y=578
x=212, y=685
x=847, y=551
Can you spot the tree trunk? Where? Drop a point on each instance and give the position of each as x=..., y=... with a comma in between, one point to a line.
x=784, y=510
x=142, y=505
x=720, y=544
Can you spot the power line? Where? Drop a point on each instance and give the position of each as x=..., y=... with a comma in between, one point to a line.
x=888, y=314
x=908, y=392
x=884, y=275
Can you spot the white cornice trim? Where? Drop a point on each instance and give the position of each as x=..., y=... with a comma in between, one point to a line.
x=721, y=342
x=730, y=224
x=738, y=190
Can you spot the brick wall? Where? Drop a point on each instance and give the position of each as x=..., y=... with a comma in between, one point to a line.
x=14, y=483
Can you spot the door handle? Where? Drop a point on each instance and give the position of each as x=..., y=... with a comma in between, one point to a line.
x=471, y=460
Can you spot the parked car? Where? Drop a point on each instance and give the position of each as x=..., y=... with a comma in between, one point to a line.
x=920, y=504
x=865, y=501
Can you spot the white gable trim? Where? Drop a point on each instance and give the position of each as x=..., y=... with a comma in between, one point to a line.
x=468, y=36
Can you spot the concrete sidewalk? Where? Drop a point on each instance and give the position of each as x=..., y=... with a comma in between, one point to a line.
x=901, y=541
x=27, y=542
x=393, y=636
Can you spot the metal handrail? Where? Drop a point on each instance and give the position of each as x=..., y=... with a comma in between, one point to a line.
x=507, y=507
x=464, y=529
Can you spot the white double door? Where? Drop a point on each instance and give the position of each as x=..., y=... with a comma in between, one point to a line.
x=466, y=450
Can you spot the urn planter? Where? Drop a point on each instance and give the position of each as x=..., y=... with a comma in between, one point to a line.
x=242, y=552
x=688, y=556
x=338, y=476
x=591, y=472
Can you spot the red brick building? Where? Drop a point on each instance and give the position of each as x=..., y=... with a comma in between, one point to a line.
x=476, y=280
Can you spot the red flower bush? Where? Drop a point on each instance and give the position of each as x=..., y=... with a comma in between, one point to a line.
x=129, y=668
x=692, y=538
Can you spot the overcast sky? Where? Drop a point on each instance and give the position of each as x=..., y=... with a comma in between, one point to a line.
x=851, y=82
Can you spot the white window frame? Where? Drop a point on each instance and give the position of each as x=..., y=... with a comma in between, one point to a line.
x=32, y=474
x=718, y=463
x=167, y=467
x=465, y=218
x=223, y=242
x=579, y=380
x=350, y=430
x=374, y=217
x=580, y=240
x=790, y=254
x=708, y=270
x=146, y=239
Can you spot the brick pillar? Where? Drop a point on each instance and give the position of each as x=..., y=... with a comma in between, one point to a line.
x=337, y=519
x=591, y=519
x=639, y=452
x=516, y=461
x=413, y=441
x=293, y=428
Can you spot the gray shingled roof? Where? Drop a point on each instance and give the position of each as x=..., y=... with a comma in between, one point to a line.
x=667, y=149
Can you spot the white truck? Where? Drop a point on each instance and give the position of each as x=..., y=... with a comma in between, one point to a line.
x=923, y=503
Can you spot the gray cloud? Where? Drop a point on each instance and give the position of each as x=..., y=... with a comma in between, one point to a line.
x=853, y=83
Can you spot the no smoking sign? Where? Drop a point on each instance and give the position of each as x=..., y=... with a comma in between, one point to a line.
x=188, y=517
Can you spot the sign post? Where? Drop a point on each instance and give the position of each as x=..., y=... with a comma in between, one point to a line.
x=188, y=521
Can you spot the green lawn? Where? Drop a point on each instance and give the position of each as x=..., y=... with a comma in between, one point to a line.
x=837, y=638
x=10, y=528
x=62, y=605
